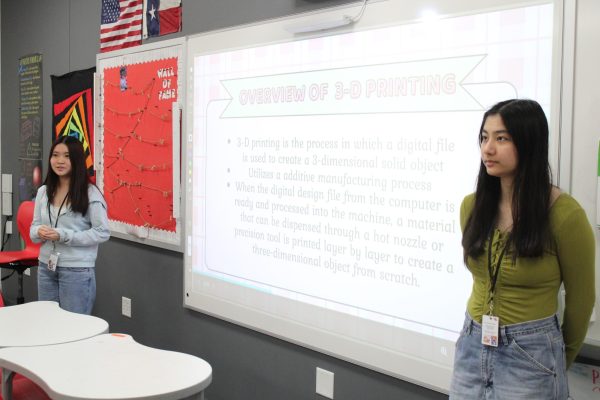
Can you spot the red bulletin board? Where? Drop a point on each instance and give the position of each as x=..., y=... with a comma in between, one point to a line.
x=140, y=134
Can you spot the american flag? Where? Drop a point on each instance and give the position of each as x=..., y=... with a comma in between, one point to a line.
x=121, y=24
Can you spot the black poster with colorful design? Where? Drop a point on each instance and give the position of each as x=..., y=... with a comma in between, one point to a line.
x=73, y=109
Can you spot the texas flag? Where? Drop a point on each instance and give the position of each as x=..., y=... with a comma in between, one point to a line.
x=161, y=17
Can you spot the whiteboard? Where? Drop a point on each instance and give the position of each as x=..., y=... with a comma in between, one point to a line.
x=303, y=226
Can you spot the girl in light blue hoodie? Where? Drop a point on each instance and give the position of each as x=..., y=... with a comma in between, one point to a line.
x=70, y=219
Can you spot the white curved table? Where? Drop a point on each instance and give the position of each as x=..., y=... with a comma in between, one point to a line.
x=42, y=323
x=110, y=367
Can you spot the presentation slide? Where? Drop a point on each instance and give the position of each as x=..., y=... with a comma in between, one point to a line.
x=327, y=173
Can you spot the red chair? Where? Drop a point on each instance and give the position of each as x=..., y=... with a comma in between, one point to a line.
x=20, y=260
x=23, y=388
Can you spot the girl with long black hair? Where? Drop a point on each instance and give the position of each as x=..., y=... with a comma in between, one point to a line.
x=70, y=219
x=522, y=239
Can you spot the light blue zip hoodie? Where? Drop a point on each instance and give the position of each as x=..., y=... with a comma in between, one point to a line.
x=79, y=234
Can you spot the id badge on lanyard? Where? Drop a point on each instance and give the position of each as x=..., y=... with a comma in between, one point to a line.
x=53, y=259
x=490, y=324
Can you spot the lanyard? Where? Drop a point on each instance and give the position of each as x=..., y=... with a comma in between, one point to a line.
x=493, y=272
x=58, y=214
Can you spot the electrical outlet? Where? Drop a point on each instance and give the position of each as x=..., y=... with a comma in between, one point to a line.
x=6, y=183
x=126, y=306
x=324, y=383
x=6, y=203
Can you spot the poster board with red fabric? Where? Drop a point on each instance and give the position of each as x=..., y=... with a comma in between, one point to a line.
x=138, y=128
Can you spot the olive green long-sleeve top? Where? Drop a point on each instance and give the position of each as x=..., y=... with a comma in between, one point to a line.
x=527, y=289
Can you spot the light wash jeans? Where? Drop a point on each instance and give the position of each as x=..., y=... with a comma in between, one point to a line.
x=529, y=363
x=73, y=288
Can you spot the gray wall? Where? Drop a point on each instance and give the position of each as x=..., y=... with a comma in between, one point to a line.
x=247, y=365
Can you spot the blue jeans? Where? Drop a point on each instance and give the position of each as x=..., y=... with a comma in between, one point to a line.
x=529, y=363
x=73, y=288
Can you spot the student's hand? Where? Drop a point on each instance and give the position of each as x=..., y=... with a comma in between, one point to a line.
x=42, y=230
x=47, y=233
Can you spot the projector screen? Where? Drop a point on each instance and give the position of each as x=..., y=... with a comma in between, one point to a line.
x=325, y=172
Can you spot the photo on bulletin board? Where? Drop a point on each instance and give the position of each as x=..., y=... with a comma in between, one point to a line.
x=138, y=125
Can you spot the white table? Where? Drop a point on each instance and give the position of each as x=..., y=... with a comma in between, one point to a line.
x=110, y=367
x=42, y=323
